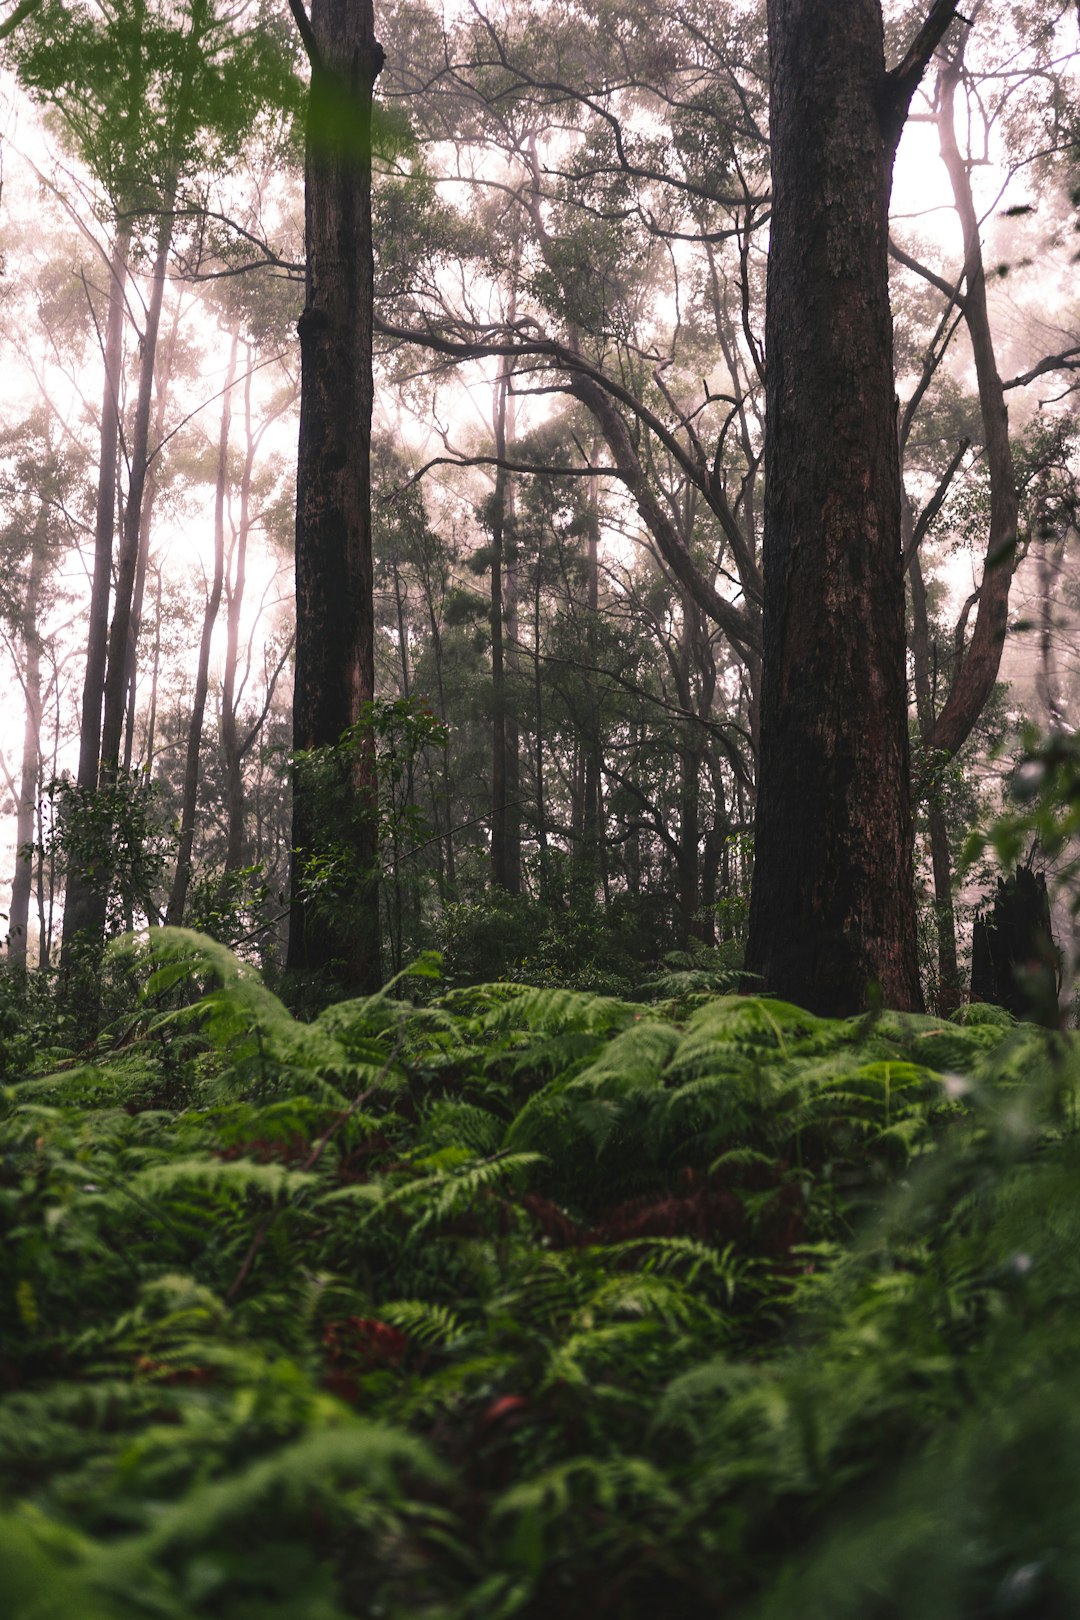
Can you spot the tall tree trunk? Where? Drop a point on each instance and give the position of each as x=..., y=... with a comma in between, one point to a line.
x=231, y=746
x=505, y=821
x=335, y=663
x=832, y=920
x=592, y=853
x=974, y=680
x=84, y=912
x=164, y=376
x=30, y=773
x=112, y=724
x=949, y=988
x=538, y=705
x=190, y=794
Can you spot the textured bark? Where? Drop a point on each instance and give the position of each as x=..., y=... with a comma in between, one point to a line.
x=832, y=921
x=335, y=672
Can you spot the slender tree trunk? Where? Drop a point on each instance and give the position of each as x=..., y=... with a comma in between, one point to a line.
x=538, y=704
x=84, y=910
x=30, y=773
x=155, y=673
x=505, y=828
x=403, y=639
x=112, y=724
x=833, y=920
x=190, y=794
x=335, y=662
x=974, y=680
x=164, y=377
x=230, y=736
x=949, y=988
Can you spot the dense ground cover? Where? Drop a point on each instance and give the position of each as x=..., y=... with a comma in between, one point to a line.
x=519, y=1301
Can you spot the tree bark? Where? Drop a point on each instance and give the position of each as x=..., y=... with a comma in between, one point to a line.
x=230, y=735
x=832, y=922
x=146, y=518
x=190, y=794
x=505, y=822
x=112, y=724
x=82, y=909
x=30, y=773
x=335, y=667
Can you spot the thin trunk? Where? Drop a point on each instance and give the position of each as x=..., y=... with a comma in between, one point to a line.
x=164, y=376
x=950, y=990
x=189, y=797
x=403, y=640
x=127, y=561
x=81, y=902
x=30, y=774
x=538, y=701
x=591, y=854
x=155, y=671
x=505, y=829
x=230, y=738
x=974, y=680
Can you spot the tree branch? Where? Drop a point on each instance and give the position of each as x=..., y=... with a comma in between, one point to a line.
x=24, y=9
x=902, y=81
x=936, y=501
x=307, y=34
x=1067, y=360
x=953, y=294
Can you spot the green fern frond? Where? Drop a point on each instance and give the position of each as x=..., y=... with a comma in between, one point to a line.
x=558, y=1490
x=233, y=1176
x=527, y=1007
x=343, y=1450
x=427, y=1324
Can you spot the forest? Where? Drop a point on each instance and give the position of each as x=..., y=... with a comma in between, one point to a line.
x=539, y=643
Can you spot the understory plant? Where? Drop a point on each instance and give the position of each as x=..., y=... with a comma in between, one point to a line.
x=525, y=1300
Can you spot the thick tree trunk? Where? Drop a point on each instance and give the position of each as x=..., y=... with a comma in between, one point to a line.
x=832, y=921
x=335, y=667
x=190, y=794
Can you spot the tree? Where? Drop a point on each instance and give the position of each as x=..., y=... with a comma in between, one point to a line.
x=151, y=96
x=335, y=670
x=832, y=918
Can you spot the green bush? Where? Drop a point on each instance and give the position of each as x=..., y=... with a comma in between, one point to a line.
x=530, y=1300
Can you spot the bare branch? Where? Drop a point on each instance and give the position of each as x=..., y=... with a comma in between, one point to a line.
x=1067, y=360
x=904, y=79
x=307, y=34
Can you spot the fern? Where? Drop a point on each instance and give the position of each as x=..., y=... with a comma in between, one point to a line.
x=713, y=1306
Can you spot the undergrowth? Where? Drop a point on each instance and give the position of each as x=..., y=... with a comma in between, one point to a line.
x=528, y=1301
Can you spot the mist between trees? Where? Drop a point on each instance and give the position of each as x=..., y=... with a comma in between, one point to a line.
x=537, y=593
x=566, y=661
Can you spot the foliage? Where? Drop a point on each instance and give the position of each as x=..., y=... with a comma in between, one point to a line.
x=117, y=834
x=531, y=1300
